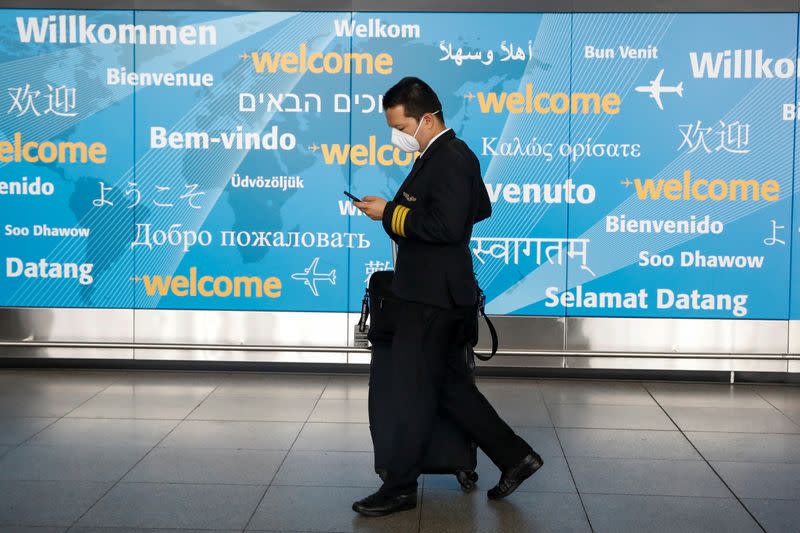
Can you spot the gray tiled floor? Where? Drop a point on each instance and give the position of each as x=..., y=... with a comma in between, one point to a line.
x=147, y=452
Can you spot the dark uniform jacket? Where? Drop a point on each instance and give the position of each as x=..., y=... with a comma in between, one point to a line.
x=431, y=219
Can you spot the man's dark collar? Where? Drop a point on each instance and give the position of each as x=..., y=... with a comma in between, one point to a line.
x=443, y=138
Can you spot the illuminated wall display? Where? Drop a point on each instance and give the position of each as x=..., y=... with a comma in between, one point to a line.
x=639, y=165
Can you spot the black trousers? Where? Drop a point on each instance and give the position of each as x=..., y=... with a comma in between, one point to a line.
x=430, y=373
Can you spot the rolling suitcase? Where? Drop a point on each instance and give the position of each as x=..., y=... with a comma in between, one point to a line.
x=450, y=451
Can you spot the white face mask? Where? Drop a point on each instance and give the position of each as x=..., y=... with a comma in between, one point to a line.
x=406, y=142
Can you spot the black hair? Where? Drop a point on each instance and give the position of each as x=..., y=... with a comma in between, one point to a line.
x=416, y=97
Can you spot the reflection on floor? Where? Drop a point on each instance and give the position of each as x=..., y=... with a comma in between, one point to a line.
x=152, y=451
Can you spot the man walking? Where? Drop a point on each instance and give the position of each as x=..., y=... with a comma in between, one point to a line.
x=431, y=219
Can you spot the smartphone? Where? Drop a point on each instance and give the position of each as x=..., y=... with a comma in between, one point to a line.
x=356, y=198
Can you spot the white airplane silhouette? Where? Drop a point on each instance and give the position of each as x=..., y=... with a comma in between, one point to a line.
x=310, y=276
x=656, y=89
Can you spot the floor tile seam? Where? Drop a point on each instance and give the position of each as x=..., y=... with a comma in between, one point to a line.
x=57, y=419
x=706, y=431
x=716, y=473
x=680, y=459
x=735, y=408
x=217, y=448
x=614, y=428
x=296, y=421
x=636, y=459
x=659, y=495
x=131, y=448
x=27, y=416
x=137, y=463
x=171, y=529
x=792, y=420
x=611, y=429
x=569, y=469
x=283, y=461
x=774, y=499
x=740, y=431
x=350, y=423
x=177, y=418
x=755, y=462
x=271, y=396
x=766, y=407
x=365, y=485
x=600, y=404
x=135, y=482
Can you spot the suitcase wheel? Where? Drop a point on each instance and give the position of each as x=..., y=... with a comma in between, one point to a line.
x=467, y=479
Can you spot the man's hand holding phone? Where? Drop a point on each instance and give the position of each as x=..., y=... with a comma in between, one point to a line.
x=372, y=206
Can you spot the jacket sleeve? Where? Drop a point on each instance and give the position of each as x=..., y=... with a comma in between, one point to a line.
x=444, y=220
x=484, y=205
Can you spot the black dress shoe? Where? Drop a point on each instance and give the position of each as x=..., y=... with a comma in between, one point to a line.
x=379, y=505
x=514, y=476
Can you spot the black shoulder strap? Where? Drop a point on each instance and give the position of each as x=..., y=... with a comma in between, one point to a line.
x=362, y=321
x=492, y=331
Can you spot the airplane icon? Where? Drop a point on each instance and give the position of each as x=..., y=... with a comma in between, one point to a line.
x=656, y=89
x=310, y=276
